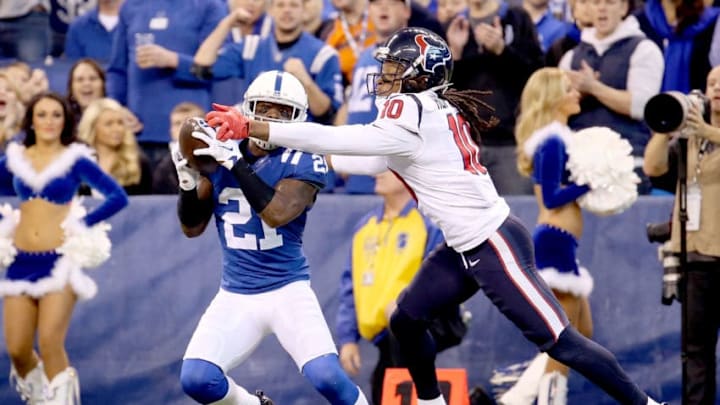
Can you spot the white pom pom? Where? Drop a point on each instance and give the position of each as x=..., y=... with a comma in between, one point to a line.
x=600, y=158
x=88, y=247
x=10, y=219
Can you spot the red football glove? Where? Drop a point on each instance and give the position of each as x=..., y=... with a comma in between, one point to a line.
x=228, y=122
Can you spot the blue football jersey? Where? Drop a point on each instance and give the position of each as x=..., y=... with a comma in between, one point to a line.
x=254, y=55
x=256, y=257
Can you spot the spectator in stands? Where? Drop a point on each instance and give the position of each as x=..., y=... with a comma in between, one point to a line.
x=702, y=238
x=45, y=276
x=582, y=18
x=547, y=103
x=289, y=48
x=259, y=197
x=12, y=110
x=549, y=28
x=424, y=18
x=616, y=69
x=165, y=180
x=24, y=30
x=349, y=33
x=154, y=41
x=30, y=82
x=104, y=127
x=447, y=10
x=496, y=49
x=312, y=19
x=86, y=83
x=62, y=14
x=387, y=247
x=259, y=21
x=427, y=135
x=684, y=31
x=90, y=34
x=387, y=16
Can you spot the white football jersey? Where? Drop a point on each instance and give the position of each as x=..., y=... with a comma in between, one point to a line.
x=429, y=145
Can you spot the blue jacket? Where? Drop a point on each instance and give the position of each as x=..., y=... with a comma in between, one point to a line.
x=180, y=26
x=88, y=38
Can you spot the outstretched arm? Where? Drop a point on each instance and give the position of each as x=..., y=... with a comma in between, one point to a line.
x=383, y=137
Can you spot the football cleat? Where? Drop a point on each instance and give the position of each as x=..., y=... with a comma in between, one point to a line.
x=264, y=400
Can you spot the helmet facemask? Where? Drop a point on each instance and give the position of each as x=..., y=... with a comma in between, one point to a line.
x=275, y=97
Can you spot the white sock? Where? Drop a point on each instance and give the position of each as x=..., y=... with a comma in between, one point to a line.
x=361, y=400
x=237, y=395
x=652, y=401
x=437, y=401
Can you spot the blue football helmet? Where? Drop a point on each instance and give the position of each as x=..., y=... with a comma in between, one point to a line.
x=424, y=57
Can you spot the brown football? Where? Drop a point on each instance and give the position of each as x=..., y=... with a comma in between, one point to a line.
x=203, y=164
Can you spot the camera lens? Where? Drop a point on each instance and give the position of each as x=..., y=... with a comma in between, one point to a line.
x=665, y=112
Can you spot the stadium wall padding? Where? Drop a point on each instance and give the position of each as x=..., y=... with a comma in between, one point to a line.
x=127, y=343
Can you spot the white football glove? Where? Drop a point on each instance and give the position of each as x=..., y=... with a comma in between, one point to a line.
x=187, y=177
x=227, y=153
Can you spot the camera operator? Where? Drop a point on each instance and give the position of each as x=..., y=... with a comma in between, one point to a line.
x=702, y=237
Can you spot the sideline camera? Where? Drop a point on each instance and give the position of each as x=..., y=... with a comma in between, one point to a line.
x=667, y=112
x=672, y=277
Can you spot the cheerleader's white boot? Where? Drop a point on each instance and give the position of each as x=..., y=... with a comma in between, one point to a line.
x=30, y=388
x=64, y=389
x=526, y=388
x=553, y=389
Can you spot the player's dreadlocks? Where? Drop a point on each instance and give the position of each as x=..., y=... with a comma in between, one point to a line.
x=477, y=112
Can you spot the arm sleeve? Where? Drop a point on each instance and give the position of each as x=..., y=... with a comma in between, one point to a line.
x=115, y=197
x=117, y=69
x=367, y=165
x=396, y=133
x=346, y=328
x=645, y=76
x=549, y=164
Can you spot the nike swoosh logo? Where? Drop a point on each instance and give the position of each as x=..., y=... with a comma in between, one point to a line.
x=472, y=263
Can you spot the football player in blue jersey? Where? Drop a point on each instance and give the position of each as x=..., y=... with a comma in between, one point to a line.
x=260, y=198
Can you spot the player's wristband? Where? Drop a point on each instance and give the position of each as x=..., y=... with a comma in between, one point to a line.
x=192, y=211
x=256, y=191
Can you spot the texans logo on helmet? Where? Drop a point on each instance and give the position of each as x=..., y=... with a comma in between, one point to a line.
x=433, y=52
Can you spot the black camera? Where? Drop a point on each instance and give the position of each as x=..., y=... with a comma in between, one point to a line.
x=672, y=276
x=667, y=112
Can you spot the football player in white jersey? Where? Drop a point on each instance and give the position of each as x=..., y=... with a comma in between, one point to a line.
x=428, y=136
x=260, y=202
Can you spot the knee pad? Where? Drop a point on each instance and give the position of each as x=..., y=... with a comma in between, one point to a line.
x=329, y=379
x=203, y=381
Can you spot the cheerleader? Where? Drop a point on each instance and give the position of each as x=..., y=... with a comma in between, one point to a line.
x=545, y=145
x=45, y=244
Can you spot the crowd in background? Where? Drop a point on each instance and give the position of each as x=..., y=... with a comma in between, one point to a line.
x=142, y=56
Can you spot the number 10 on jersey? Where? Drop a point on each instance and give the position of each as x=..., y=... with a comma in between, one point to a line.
x=470, y=151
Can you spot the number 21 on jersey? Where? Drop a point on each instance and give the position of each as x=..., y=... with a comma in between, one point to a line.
x=470, y=151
